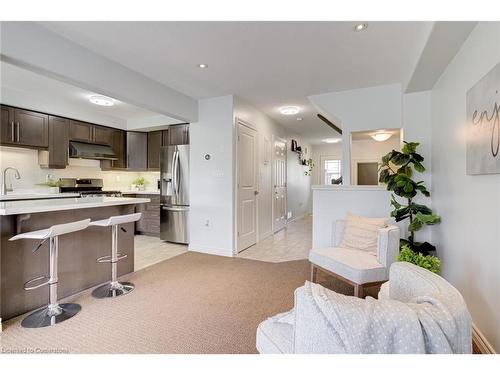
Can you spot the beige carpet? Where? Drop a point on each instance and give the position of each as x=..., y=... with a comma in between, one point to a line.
x=192, y=303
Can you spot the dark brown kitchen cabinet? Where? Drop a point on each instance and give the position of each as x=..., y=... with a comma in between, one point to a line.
x=149, y=223
x=164, y=136
x=154, y=145
x=102, y=135
x=7, y=127
x=178, y=134
x=80, y=131
x=57, y=154
x=24, y=128
x=89, y=133
x=137, y=151
x=118, y=144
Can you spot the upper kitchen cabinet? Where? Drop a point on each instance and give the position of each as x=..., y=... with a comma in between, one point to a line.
x=154, y=144
x=56, y=156
x=24, y=128
x=137, y=151
x=84, y=132
x=119, y=147
x=178, y=134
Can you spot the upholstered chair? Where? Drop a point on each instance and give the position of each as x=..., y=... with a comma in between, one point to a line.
x=359, y=268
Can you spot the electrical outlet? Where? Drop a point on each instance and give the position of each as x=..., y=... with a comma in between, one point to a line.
x=207, y=223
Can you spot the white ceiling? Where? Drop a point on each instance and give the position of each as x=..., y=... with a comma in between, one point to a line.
x=69, y=96
x=268, y=64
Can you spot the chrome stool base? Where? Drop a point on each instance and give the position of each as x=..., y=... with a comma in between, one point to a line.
x=113, y=289
x=46, y=317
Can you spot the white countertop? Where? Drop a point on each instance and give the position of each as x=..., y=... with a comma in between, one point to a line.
x=61, y=204
x=141, y=192
x=349, y=187
x=21, y=196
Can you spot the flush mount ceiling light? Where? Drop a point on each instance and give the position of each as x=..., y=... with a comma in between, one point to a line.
x=299, y=118
x=332, y=140
x=360, y=27
x=289, y=110
x=381, y=136
x=202, y=66
x=101, y=100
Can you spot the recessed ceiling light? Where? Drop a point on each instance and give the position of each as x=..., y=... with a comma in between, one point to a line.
x=289, y=110
x=101, y=100
x=332, y=140
x=202, y=66
x=381, y=136
x=360, y=27
x=299, y=118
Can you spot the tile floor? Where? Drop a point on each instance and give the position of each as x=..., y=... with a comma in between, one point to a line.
x=151, y=250
x=292, y=243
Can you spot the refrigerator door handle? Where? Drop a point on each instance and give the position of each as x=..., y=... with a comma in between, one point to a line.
x=177, y=209
x=174, y=172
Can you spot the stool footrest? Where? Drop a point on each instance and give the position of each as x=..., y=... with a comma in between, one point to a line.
x=27, y=283
x=107, y=258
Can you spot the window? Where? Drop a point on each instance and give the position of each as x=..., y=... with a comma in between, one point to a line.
x=332, y=170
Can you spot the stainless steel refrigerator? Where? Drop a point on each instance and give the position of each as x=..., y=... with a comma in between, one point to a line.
x=174, y=193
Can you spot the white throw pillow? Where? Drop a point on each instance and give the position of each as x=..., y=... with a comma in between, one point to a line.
x=362, y=232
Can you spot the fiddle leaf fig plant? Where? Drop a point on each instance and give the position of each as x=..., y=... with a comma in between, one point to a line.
x=397, y=171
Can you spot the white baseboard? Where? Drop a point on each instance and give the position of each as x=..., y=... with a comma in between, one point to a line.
x=296, y=218
x=480, y=343
x=209, y=250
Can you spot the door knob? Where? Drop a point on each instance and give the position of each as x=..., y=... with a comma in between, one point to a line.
x=255, y=192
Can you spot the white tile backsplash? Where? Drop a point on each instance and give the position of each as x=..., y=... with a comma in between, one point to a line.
x=26, y=161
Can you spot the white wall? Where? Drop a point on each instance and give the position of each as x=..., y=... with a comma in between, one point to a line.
x=212, y=181
x=370, y=108
x=26, y=161
x=468, y=239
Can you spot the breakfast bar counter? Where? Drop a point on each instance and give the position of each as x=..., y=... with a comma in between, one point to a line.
x=78, y=251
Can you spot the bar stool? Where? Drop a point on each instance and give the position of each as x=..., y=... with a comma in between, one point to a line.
x=114, y=288
x=54, y=312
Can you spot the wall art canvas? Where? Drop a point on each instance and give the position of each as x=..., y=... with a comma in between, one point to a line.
x=483, y=127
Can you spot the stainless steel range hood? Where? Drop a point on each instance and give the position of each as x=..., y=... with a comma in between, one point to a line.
x=90, y=151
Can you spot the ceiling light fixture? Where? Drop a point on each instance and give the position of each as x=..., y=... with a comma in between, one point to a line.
x=299, y=118
x=101, y=100
x=202, y=66
x=289, y=110
x=381, y=136
x=360, y=27
x=332, y=140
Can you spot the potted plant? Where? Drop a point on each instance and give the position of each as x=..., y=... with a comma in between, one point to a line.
x=396, y=171
x=139, y=183
x=310, y=163
x=53, y=185
x=429, y=262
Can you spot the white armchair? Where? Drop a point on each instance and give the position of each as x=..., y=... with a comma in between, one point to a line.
x=358, y=268
x=306, y=328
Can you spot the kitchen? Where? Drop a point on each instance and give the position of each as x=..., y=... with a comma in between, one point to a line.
x=69, y=154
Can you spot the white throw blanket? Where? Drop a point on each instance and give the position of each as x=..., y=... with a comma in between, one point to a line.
x=386, y=326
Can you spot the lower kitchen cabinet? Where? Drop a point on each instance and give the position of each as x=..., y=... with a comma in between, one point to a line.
x=149, y=224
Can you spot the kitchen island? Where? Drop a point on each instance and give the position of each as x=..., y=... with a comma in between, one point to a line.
x=78, y=251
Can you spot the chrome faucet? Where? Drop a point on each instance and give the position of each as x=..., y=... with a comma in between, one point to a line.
x=6, y=188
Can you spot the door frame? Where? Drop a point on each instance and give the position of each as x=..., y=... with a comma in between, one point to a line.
x=238, y=121
x=274, y=138
x=354, y=174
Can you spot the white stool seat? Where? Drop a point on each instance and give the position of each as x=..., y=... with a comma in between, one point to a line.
x=116, y=220
x=53, y=231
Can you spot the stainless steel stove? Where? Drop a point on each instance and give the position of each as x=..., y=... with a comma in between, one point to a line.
x=87, y=187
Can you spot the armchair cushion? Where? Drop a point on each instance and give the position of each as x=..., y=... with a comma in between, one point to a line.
x=362, y=232
x=358, y=266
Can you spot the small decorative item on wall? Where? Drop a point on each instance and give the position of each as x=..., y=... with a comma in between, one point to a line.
x=310, y=164
x=294, y=145
x=483, y=125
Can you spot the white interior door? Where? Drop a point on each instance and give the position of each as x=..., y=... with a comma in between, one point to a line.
x=247, y=187
x=279, y=184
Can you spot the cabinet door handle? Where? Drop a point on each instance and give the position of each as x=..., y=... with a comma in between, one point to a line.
x=12, y=136
x=18, y=131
